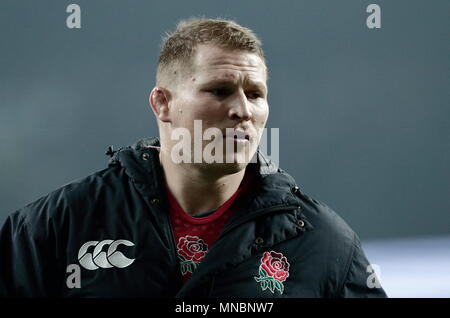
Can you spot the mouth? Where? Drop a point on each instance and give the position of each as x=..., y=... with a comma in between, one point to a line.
x=237, y=135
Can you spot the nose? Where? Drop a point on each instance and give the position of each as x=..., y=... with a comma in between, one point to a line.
x=239, y=107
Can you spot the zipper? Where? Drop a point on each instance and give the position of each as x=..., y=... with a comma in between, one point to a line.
x=259, y=213
x=173, y=245
x=160, y=180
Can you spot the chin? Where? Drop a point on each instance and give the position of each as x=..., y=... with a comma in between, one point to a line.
x=224, y=168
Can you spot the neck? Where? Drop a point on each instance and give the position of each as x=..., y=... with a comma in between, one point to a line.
x=196, y=187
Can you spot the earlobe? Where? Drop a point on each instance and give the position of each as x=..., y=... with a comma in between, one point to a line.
x=159, y=102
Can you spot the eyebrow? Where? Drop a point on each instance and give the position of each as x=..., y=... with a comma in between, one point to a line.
x=229, y=82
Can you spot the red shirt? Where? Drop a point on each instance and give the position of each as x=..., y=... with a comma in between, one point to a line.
x=194, y=236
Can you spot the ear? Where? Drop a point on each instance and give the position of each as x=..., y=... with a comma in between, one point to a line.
x=159, y=102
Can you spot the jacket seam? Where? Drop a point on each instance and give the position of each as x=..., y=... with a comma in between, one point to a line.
x=348, y=267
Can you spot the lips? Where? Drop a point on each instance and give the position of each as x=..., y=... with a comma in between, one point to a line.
x=237, y=135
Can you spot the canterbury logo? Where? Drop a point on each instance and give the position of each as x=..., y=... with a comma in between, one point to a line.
x=98, y=258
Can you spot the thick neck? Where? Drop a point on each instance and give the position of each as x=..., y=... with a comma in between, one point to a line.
x=196, y=188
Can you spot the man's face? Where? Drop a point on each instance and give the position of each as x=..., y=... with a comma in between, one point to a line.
x=227, y=89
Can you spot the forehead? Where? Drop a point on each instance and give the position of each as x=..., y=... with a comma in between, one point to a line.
x=213, y=63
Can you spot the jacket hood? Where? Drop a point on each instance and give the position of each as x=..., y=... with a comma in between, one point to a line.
x=272, y=187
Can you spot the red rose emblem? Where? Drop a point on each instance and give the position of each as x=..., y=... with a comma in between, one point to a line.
x=192, y=248
x=276, y=265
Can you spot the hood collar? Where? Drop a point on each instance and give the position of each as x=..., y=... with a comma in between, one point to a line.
x=265, y=165
x=141, y=163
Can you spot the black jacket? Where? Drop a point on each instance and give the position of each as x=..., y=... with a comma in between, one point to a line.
x=118, y=216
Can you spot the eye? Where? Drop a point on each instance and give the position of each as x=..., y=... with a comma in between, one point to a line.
x=254, y=95
x=220, y=92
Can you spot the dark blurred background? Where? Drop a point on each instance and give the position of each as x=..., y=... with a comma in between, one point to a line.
x=364, y=114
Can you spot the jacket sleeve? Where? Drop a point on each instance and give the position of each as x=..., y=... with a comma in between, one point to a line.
x=26, y=265
x=360, y=281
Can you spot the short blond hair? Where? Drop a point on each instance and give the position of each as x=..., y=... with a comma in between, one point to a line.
x=179, y=47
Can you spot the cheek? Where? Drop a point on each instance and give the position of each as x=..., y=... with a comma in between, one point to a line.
x=199, y=107
x=183, y=112
x=260, y=115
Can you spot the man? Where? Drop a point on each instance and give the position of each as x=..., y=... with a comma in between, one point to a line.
x=155, y=225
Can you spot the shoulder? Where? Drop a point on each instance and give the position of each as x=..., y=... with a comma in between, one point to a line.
x=331, y=236
x=340, y=256
x=328, y=225
x=70, y=200
x=128, y=175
